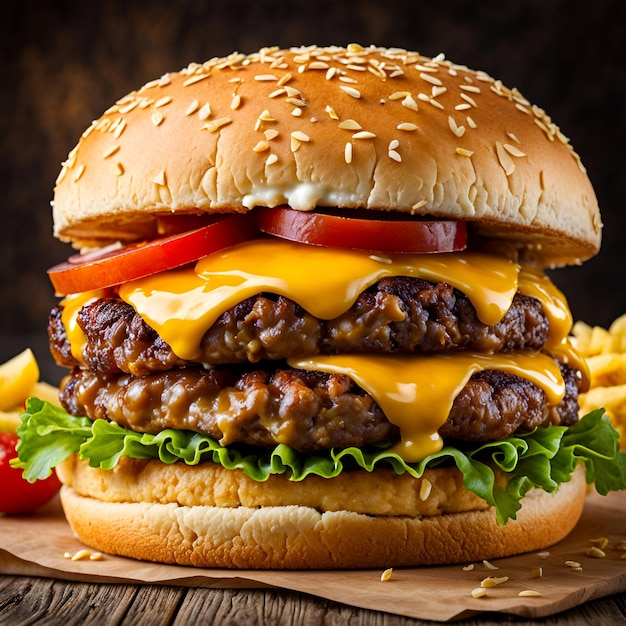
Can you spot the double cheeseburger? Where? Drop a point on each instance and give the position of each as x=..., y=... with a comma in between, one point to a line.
x=308, y=325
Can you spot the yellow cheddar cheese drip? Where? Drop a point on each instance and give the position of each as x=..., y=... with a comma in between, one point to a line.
x=69, y=316
x=416, y=393
x=182, y=304
x=535, y=283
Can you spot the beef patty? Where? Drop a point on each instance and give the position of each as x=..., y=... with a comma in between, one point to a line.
x=395, y=315
x=306, y=410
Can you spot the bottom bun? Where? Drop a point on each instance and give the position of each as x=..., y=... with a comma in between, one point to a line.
x=301, y=537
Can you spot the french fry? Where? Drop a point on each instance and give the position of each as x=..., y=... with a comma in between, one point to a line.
x=605, y=353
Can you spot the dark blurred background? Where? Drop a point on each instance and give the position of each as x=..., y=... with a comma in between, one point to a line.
x=64, y=62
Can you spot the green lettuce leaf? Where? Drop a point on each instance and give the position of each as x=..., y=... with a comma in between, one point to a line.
x=544, y=458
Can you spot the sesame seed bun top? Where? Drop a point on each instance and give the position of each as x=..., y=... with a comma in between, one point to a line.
x=351, y=127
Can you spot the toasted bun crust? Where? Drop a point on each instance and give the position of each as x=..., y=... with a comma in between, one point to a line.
x=369, y=128
x=293, y=535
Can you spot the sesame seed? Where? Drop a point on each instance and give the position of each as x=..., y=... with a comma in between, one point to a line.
x=351, y=91
x=349, y=79
x=399, y=95
x=470, y=122
x=270, y=133
x=284, y=79
x=118, y=169
x=522, y=108
x=419, y=205
x=406, y=126
x=469, y=99
x=262, y=146
x=192, y=108
x=394, y=156
x=300, y=136
x=331, y=113
x=159, y=179
x=357, y=68
x=489, y=565
x=436, y=104
x=596, y=552
x=409, y=103
x=80, y=171
x=386, y=575
x=266, y=77
x=437, y=91
x=347, y=152
x=235, y=102
x=363, y=134
x=81, y=555
x=318, y=65
x=493, y=581
x=513, y=150
x=266, y=116
x=425, y=489
x=277, y=92
x=573, y=564
x=217, y=124
x=331, y=72
x=393, y=144
x=349, y=124
x=111, y=151
x=464, y=152
x=205, y=112
x=462, y=107
x=296, y=112
x=157, y=118
x=292, y=92
x=505, y=160
x=195, y=79
x=425, y=68
x=433, y=80
x=161, y=102
x=528, y=593
x=468, y=568
x=271, y=159
x=472, y=88
x=479, y=592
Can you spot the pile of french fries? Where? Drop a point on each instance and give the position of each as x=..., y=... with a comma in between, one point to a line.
x=604, y=350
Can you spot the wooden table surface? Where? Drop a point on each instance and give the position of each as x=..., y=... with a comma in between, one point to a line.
x=29, y=600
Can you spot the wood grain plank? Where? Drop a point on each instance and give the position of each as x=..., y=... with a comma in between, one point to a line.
x=26, y=601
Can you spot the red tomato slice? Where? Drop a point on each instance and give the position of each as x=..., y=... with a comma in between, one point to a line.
x=390, y=233
x=113, y=266
x=17, y=494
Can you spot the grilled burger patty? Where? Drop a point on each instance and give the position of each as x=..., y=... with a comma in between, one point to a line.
x=306, y=410
x=132, y=377
x=395, y=315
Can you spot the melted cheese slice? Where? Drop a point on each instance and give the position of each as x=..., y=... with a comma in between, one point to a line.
x=416, y=393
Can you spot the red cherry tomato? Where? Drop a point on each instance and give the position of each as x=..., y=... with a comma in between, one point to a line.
x=17, y=495
x=386, y=233
x=113, y=266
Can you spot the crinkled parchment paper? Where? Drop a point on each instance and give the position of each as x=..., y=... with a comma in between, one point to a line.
x=35, y=545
